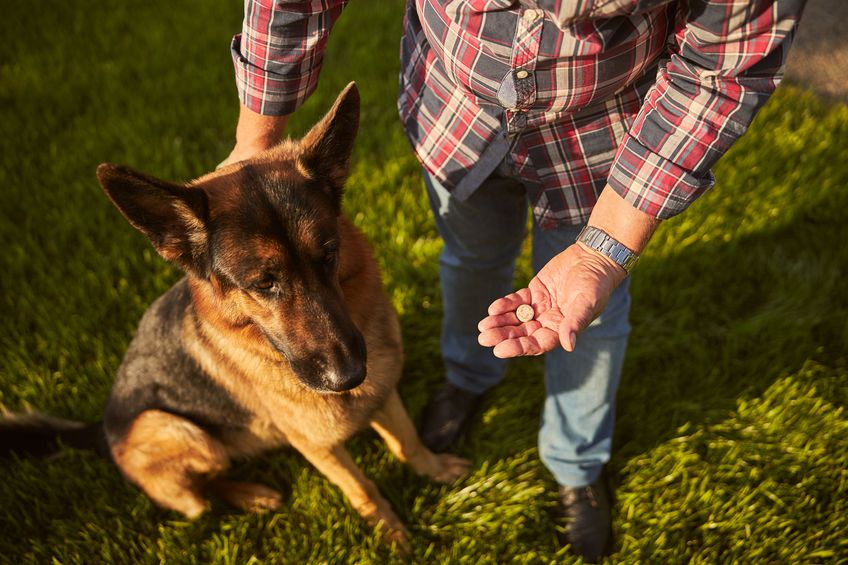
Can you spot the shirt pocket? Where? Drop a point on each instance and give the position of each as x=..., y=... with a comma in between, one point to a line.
x=490, y=5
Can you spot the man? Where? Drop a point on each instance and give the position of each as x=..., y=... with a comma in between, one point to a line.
x=604, y=114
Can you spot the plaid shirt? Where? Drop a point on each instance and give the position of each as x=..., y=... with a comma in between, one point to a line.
x=643, y=95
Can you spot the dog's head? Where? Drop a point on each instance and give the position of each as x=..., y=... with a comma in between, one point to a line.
x=262, y=237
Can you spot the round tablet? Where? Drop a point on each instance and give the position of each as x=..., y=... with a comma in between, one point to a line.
x=524, y=313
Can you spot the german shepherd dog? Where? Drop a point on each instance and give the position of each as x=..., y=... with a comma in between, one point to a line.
x=280, y=334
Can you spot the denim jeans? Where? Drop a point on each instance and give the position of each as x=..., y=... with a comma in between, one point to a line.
x=482, y=239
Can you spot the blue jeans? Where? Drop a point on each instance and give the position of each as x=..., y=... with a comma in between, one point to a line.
x=482, y=239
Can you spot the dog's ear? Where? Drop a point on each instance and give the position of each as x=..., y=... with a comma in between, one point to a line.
x=173, y=217
x=326, y=149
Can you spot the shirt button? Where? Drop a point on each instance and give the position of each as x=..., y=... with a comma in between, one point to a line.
x=519, y=120
x=522, y=74
x=530, y=16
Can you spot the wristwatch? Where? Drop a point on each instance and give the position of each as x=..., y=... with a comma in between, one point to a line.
x=602, y=242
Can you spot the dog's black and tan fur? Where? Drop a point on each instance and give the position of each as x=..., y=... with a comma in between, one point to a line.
x=280, y=334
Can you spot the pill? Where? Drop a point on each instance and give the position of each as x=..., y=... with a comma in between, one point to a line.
x=524, y=313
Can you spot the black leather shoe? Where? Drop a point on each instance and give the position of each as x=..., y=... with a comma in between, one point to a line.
x=588, y=525
x=447, y=416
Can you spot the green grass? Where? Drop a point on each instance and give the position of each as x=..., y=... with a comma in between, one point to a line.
x=732, y=437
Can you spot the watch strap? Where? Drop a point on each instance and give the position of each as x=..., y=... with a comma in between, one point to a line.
x=604, y=243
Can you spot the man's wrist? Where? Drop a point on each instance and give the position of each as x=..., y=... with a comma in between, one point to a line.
x=257, y=131
x=613, y=251
x=625, y=224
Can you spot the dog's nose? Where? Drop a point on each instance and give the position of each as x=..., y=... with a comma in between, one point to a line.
x=347, y=379
x=351, y=371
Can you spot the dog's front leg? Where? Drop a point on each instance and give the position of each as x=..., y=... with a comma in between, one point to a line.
x=337, y=465
x=394, y=426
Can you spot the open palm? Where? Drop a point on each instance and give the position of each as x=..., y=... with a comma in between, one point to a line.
x=566, y=295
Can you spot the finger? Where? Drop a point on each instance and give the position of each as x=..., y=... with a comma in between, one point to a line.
x=510, y=302
x=517, y=348
x=498, y=320
x=494, y=336
x=231, y=159
x=540, y=342
x=576, y=317
x=226, y=162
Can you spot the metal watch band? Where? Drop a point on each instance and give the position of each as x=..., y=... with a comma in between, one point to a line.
x=601, y=241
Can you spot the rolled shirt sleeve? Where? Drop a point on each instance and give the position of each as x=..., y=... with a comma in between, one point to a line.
x=278, y=54
x=726, y=59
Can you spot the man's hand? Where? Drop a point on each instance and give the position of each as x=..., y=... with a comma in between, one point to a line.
x=566, y=295
x=254, y=133
x=571, y=290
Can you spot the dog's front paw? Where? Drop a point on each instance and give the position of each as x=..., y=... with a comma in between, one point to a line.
x=449, y=468
x=380, y=515
x=250, y=497
x=398, y=537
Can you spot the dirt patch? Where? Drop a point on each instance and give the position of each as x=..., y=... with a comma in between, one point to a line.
x=819, y=57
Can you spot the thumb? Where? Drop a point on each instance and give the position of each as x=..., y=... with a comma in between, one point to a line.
x=575, y=318
x=231, y=158
x=567, y=337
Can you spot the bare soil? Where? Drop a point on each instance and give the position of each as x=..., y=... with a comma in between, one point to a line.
x=819, y=57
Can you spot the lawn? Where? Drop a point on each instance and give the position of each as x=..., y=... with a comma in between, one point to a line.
x=732, y=436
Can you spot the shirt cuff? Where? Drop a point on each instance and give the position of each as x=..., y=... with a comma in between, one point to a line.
x=265, y=92
x=653, y=184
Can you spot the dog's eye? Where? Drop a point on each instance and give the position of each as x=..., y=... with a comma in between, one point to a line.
x=264, y=284
x=331, y=253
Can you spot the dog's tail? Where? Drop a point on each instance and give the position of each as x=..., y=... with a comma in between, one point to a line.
x=36, y=435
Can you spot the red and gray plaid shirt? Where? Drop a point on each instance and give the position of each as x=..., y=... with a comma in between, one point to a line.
x=643, y=95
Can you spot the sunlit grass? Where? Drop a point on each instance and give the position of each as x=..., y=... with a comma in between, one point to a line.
x=732, y=441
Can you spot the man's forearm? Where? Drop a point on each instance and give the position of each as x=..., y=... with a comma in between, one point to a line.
x=255, y=131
